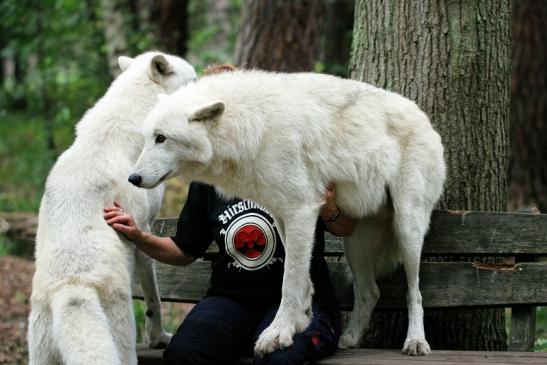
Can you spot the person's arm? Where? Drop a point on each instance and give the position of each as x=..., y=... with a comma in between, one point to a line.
x=335, y=221
x=162, y=249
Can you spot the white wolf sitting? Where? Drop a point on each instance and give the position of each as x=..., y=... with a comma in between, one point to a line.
x=82, y=310
x=279, y=139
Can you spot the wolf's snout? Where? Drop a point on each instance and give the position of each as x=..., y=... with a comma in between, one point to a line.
x=135, y=179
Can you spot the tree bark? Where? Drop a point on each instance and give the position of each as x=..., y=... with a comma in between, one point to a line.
x=279, y=35
x=114, y=32
x=170, y=25
x=453, y=59
x=528, y=165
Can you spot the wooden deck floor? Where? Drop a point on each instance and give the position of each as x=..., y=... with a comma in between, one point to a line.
x=394, y=357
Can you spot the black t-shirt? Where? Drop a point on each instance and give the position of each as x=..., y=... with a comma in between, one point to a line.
x=249, y=264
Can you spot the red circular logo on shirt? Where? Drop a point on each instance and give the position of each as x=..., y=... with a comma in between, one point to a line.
x=250, y=241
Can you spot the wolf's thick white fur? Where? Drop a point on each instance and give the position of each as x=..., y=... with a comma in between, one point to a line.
x=81, y=307
x=279, y=139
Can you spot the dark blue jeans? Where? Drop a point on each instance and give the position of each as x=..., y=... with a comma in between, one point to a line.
x=219, y=330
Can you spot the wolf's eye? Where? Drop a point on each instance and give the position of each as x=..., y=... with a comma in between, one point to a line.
x=160, y=138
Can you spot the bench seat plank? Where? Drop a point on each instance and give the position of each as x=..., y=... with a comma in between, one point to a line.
x=390, y=357
x=443, y=284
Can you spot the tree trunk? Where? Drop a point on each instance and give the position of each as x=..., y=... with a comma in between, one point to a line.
x=114, y=32
x=279, y=35
x=528, y=166
x=170, y=25
x=453, y=59
x=337, y=36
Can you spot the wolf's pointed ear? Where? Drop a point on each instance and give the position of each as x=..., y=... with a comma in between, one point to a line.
x=124, y=62
x=159, y=67
x=209, y=112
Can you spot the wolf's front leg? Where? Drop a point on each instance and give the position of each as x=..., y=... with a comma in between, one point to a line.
x=157, y=337
x=294, y=313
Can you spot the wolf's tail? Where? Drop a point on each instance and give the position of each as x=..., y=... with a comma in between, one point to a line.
x=80, y=327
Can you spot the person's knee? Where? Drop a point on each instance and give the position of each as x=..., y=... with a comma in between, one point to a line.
x=180, y=353
x=185, y=349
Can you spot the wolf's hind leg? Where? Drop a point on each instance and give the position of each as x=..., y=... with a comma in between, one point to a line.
x=411, y=220
x=81, y=329
x=40, y=340
x=119, y=311
x=361, y=249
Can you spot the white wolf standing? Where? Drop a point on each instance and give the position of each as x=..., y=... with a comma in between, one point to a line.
x=279, y=139
x=81, y=304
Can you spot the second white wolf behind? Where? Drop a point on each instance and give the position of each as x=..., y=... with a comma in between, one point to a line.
x=81, y=305
x=279, y=139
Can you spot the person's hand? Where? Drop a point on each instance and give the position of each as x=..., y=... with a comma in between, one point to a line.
x=329, y=211
x=122, y=222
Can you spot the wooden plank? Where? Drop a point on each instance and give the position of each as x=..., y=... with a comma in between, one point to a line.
x=443, y=284
x=179, y=284
x=455, y=233
x=381, y=357
x=389, y=357
x=486, y=233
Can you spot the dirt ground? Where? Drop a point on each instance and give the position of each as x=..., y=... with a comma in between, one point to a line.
x=15, y=284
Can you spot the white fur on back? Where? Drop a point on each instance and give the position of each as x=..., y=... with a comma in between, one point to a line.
x=315, y=115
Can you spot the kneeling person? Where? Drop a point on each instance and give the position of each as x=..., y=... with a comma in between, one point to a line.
x=246, y=280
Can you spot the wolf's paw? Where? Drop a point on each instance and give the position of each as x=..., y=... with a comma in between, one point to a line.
x=272, y=339
x=280, y=332
x=160, y=340
x=347, y=341
x=415, y=347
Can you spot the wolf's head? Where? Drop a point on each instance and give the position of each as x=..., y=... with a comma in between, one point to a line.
x=169, y=72
x=176, y=140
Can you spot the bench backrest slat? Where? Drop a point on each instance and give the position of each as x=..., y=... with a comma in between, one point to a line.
x=486, y=233
x=454, y=233
x=443, y=284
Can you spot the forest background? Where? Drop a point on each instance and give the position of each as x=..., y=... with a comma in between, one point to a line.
x=59, y=56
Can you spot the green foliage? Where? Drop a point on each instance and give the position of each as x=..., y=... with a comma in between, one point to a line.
x=171, y=317
x=57, y=45
x=140, y=318
x=9, y=248
x=4, y=246
x=202, y=34
x=59, y=53
x=541, y=329
x=24, y=161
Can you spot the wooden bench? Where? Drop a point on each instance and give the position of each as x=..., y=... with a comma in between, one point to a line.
x=519, y=283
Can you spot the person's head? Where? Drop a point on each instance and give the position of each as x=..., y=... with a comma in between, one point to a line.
x=218, y=68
